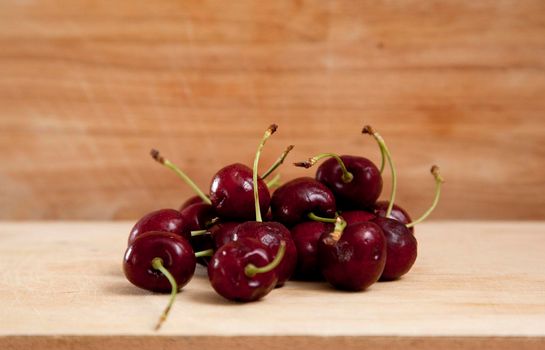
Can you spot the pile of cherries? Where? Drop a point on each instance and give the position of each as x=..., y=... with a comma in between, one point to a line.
x=330, y=227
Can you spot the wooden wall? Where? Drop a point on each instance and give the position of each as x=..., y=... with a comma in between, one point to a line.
x=88, y=87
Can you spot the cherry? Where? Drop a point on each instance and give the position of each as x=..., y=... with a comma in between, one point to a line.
x=223, y=233
x=352, y=259
x=190, y=201
x=401, y=248
x=292, y=202
x=305, y=237
x=166, y=220
x=160, y=262
x=355, y=181
x=398, y=213
x=198, y=217
x=355, y=216
x=244, y=270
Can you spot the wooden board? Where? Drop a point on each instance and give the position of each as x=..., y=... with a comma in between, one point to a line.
x=87, y=88
x=475, y=285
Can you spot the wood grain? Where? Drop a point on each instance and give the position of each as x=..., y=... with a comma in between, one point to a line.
x=87, y=88
x=66, y=290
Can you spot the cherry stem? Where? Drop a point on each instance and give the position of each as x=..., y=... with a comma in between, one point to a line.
x=438, y=182
x=157, y=264
x=159, y=158
x=384, y=150
x=315, y=217
x=382, y=160
x=203, y=253
x=278, y=162
x=274, y=182
x=266, y=136
x=251, y=270
x=199, y=233
x=334, y=236
x=347, y=176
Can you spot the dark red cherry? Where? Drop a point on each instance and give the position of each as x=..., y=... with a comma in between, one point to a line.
x=362, y=191
x=305, y=237
x=190, y=201
x=175, y=252
x=165, y=220
x=401, y=248
x=228, y=270
x=231, y=193
x=398, y=213
x=292, y=202
x=198, y=217
x=356, y=260
x=355, y=216
x=223, y=233
x=270, y=234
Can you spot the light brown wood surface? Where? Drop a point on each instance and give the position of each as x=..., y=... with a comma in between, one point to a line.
x=474, y=285
x=88, y=87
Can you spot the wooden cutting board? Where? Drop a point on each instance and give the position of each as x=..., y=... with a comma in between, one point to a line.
x=475, y=285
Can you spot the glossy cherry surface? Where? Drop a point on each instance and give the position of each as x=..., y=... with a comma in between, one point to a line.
x=190, y=201
x=293, y=201
x=231, y=193
x=356, y=260
x=270, y=234
x=197, y=217
x=223, y=233
x=226, y=270
x=355, y=216
x=305, y=237
x=362, y=191
x=165, y=220
x=176, y=253
x=401, y=248
x=398, y=213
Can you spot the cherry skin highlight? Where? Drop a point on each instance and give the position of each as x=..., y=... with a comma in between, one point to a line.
x=305, y=237
x=226, y=271
x=401, y=248
x=223, y=233
x=270, y=234
x=165, y=220
x=231, y=193
x=362, y=191
x=176, y=253
x=356, y=260
x=293, y=201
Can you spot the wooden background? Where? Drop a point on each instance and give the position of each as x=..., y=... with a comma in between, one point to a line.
x=88, y=87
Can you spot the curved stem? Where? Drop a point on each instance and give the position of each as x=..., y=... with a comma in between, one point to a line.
x=266, y=136
x=278, y=162
x=382, y=160
x=199, y=233
x=347, y=176
x=157, y=264
x=251, y=270
x=203, y=253
x=438, y=182
x=274, y=182
x=334, y=236
x=384, y=149
x=315, y=217
x=159, y=158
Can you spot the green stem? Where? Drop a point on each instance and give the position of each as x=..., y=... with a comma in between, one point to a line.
x=157, y=264
x=347, y=176
x=384, y=149
x=278, y=162
x=203, y=253
x=266, y=136
x=315, y=217
x=382, y=160
x=274, y=182
x=333, y=237
x=251, y=270
x=438, y=182
x=199, y=233
x=159, y=158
